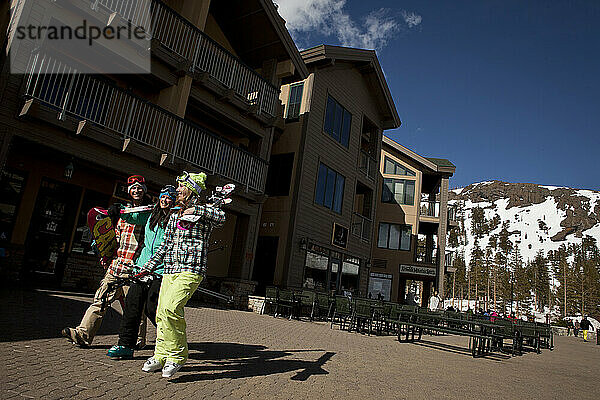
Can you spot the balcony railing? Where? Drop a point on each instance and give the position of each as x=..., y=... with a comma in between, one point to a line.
x=368, y=165
x=425, y=255
x=452, y=214
x=449, y=258
x=204, y=54
x=430, y=209
x=86, y=97
x=361, y=226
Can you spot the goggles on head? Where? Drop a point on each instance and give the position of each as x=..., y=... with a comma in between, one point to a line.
x=168, y=191
x=136, y=179
x=186, y=178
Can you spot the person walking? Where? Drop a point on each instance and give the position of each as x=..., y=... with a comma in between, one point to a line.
x=434, y=301
x=585, y=326
x=576, y=329
x=183, y=251
x=142, y=297
x=130, y=238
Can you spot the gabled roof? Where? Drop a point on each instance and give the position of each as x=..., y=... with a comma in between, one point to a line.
x=257, y=32
x=440, y=165
x=368, y=64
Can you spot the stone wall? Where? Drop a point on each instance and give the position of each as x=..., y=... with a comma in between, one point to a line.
x=82, y=273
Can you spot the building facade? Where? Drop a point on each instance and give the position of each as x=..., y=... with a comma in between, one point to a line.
x=316, y=229
x=409, y=249
x=69, y=140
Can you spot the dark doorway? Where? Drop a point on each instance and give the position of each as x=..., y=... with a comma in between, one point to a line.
x=264, y=262
x=50, y=232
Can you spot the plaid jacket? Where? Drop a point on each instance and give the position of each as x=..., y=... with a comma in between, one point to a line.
x=131, y=240
x=186, y=250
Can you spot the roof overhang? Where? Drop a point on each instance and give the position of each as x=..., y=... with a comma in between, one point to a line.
x=258, y=33
x=367, y=63
x=436, y=165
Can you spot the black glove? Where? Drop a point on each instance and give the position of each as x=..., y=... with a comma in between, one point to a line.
x=114, y=211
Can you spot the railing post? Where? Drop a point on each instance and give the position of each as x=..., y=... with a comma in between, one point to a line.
x=128, y=122
x=214, y=169
x=249, y=174
x=63, y=112
x=176, y=143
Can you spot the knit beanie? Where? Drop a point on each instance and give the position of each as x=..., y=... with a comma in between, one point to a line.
x=194, y=182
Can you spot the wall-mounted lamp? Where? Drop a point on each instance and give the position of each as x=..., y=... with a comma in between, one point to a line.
x=68, y=172
x=303, y=243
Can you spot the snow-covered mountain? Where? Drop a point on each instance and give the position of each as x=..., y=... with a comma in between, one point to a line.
x=537, y=217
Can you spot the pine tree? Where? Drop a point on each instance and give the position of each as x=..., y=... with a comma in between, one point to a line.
x=541, y=281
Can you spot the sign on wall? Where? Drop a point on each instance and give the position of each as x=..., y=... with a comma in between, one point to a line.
x=417, y=270
x=339, y=237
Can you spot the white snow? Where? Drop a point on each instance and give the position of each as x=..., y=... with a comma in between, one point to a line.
x=526, y=220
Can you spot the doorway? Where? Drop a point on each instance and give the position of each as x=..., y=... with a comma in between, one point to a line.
x=50, y=231
x=265, y=263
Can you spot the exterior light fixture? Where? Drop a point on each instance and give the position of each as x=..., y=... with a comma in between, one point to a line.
x=68, y=172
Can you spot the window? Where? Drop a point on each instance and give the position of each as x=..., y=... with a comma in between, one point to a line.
x=293, y=109
x=393, y=168
x=399, y=191
x=12, y=184
x=337, y=121
x=330, y=189
x=349, y=279
x=315, y=275
x=279, y=175
x=394, y=236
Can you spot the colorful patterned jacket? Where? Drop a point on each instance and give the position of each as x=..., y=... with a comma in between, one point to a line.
x=131, y=240
x=186, y=250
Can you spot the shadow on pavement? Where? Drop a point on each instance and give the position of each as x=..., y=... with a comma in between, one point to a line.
x=236, y=360
x=31, y=314
x=458, y=350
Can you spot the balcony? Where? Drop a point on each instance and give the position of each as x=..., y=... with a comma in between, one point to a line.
x=425, y=255
x=430, y=209
x=200, y=53
x=131, y=118
x=453, y=216
x=361, y=226
x=368, y=165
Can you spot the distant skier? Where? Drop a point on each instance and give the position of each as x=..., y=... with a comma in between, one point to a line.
x=585, y=325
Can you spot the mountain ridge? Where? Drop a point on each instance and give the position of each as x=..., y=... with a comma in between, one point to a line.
x=537, y=217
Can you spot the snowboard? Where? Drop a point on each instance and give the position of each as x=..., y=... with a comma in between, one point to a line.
x=103, y=232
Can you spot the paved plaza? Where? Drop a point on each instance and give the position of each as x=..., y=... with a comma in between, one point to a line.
x=236, y=354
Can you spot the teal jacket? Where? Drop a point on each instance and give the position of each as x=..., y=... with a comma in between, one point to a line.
x=152, y=238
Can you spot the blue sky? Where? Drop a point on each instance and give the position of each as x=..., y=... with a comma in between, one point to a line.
x=506, y=90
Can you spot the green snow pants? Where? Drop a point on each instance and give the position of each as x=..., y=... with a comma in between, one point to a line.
x=171, y=340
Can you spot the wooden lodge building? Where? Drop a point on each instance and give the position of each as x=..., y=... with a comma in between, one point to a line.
x=299, y=133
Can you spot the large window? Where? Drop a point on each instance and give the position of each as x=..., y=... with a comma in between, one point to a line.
x=330, y=189
x=400, y=191
x=394, y=236
x=337, y=121
x=330, y=270
x=293, y=109
x=393, y=168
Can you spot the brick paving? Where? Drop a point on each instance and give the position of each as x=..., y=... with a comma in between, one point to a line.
x=242, y=355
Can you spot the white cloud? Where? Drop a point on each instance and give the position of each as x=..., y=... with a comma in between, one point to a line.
x=411, y=19
x=329, y=18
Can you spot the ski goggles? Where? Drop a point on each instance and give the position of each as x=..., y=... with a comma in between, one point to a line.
x=168, y=191
x=186, y=178
x=135, y=179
